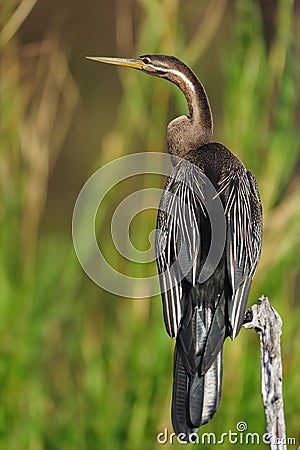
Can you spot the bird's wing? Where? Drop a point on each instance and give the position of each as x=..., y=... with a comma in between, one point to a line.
x=178, y=239
x=243, y=244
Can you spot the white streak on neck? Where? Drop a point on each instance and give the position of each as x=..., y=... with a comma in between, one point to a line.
x=183, y=77
x=178, y=74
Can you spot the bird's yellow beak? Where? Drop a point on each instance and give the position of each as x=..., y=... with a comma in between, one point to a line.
x=135, y=63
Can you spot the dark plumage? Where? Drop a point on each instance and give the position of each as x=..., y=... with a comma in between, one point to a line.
x=201, y=313
x=213, y=310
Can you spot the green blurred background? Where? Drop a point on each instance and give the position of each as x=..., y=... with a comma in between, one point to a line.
x=80, y=368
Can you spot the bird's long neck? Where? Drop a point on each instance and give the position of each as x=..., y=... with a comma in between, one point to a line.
x=189, y=133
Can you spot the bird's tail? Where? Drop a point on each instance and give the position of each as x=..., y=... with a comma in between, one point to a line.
x=195, y=398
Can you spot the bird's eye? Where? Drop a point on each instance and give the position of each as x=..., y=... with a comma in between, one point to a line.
x=146, y=60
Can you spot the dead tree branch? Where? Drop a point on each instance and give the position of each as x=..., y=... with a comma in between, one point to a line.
x=267, y=323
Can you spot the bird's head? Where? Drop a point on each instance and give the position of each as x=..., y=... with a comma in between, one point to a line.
x=158, y=65
x=174, y=70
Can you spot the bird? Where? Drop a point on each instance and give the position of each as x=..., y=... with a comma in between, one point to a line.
x=200, y=313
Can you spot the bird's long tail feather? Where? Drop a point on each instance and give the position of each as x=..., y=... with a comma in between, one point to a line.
x=195, y=398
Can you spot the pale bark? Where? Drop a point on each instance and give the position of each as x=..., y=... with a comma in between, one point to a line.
x=267, y=323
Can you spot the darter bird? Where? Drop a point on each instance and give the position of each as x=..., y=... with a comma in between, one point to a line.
x=200, y=314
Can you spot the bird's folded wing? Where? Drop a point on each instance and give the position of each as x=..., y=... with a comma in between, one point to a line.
x=243, y=242
x=178, y=239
